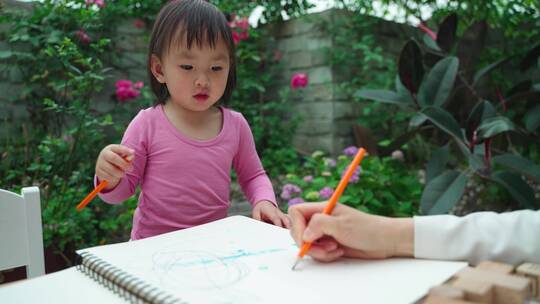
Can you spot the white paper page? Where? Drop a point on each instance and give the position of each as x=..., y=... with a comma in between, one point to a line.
x=240, y=260
x=64, y=286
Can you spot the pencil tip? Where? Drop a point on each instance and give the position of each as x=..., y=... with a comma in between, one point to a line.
x=295, y=263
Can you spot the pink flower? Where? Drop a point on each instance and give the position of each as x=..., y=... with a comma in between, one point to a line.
x=138, y=23
x=235, y=37
x=308, y=178
x=427, y=30
x=99, y=3
x=126, y=90
x=83, y=36
x=277, y=55
x=242, y=24
x=398, y=155
x=289, y=190
x=299, y=80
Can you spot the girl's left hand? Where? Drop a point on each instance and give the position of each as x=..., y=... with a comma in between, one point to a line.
x=267, y=212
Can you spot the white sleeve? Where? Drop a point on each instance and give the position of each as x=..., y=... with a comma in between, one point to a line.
x=512, y=237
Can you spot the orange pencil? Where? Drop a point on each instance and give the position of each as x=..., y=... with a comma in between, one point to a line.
x=97, y=190
x=334, y=198
x=91, y=195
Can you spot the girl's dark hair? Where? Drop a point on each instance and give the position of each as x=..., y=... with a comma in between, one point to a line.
x=198, y=21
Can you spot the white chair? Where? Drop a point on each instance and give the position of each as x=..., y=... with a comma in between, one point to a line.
x=21, y=238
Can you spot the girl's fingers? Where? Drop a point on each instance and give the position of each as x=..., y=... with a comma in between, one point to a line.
x=116, y=160
x=122, y=151
x=113, y=171
x=286, y=221
x=256, y=214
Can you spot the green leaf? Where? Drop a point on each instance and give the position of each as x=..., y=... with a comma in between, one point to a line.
x=382, y=96
x=532, y=119
x=481, y=111
x=446, y=35
x=444, y=121
x=487, y=69
x=442, y=193
x=439, y=82
x=430, y=43
x=417, y=120
x=5, y=54
x=530, y=58
x=493, y=126
x=437, y=163
x=519, y=164
x=410, y=66
x=517, y=187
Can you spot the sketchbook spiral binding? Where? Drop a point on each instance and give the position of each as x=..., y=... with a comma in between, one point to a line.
x=122, y=283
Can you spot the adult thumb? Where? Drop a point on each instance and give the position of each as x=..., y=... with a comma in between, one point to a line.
x=319, y=226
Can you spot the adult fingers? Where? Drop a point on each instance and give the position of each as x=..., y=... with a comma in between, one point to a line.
x=322, y=255
x=319, y=226
x=299, y=215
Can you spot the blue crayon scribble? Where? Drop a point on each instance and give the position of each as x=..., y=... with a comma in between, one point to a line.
x=239, y=254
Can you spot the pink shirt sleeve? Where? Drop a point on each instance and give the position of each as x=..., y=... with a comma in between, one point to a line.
x=251, y=175
x=135, y=138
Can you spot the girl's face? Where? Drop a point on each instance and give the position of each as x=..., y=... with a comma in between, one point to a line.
x=196, y=78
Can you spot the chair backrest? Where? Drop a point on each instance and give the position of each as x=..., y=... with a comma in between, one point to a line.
x=21, y=238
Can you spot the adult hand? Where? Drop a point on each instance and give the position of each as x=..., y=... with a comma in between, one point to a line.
x=350, y=233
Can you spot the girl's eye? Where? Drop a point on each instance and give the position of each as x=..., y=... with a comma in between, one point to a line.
x=186, y=67
x=217, y=68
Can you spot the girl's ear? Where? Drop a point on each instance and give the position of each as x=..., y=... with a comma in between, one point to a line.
x=156, y=68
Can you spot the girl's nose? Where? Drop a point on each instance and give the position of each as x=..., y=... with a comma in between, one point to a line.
x=201, y=81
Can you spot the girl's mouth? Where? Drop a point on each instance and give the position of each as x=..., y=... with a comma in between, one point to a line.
x=201, y=97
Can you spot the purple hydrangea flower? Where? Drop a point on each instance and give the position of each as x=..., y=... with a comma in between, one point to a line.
x=295, y=201
x=350, y=151
x=289, y=190
x=355, y=177
x=308, y=178
x=326, y=192
x=330, y=162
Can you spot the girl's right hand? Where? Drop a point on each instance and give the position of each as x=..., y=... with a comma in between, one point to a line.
x=112, y=163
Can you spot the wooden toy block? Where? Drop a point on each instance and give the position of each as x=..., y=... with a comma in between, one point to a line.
x=475, y=290
x=507, y=289
x=447, y=291
x=496, y=267
x=532, y=272
x=435, y=299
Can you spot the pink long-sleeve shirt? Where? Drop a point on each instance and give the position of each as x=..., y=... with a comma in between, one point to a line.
x=186, y=182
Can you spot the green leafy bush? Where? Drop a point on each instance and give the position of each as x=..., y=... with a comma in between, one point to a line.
x=467, y=112
x=383, y=186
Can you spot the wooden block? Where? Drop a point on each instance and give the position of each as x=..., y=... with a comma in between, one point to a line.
x=475, y=290
x=435, y=299
x=496, y=267
x=532, y=272
x=507, y=289
x=447, y=291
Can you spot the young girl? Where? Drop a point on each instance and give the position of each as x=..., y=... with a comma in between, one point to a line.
x=181, y=150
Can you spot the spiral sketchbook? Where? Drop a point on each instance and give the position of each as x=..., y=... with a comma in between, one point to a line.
x=240, y=260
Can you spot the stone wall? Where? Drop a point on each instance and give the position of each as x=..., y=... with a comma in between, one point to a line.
x=327, y=117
